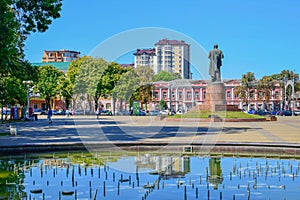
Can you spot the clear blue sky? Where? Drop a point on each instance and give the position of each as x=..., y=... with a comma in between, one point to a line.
x=261, y=36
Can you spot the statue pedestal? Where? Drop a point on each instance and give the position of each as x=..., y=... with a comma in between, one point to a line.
x=216, y=98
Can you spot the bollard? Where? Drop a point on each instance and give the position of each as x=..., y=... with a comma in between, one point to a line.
x=208, y=194
x=185, y=196
x=104, y=190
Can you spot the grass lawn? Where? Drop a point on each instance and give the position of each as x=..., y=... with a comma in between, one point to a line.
x=221, y=114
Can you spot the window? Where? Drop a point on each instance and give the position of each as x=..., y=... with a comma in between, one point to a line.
x=204, y=95
x=277, y=95
x=108, y=105
x=180, y=95
x=156, y=95
x=197, y=95
x=228, y=94
x=188, y=95
x=164, y=95
x=173, y=94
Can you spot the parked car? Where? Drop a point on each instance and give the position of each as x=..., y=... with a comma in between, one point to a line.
x=274, y=112
x=78, y=112
x=55, y=112
x=163, y=112
x=153, y=113
x=61, y=112
x=262, y=112
x=37, y=111
x=122, y=112
x=297, y=112
x=179, y=112
x=142, y=113
x=251, y=111
x=106, y=112
x=285, y=113
x=68, y=112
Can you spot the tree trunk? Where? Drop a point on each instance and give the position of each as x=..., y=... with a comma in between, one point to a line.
x=47, y=99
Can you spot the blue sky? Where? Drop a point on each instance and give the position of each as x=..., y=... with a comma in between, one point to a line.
x=260, y=36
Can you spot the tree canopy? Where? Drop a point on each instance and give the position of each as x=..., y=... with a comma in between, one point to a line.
x=18, y=18
x=166, y=76
x=48, y=84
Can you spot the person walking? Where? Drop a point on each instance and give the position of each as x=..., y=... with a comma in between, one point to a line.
x=50, y=116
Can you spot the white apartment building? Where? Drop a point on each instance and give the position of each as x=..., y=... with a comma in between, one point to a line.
x=145, y=57
x=169, y=55
x=173, y=56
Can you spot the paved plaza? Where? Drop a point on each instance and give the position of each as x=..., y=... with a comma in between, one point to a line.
x=135, y=130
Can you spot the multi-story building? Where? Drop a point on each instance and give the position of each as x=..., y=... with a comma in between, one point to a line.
x=60, y=56
x=173, y=56
x=145, y=57
x=185, y=94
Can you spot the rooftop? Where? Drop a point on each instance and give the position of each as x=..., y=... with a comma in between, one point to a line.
x=170, y=42
x=62, y=50
x=145, y=51
x=63, y=66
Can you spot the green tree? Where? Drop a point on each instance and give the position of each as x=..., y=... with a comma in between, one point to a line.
x=48, y=83
x=144, y=91
x=88, y=77
x=65, y=90
x=126, y=87
x=108, y=81
x=286, y=75
x=244, y=91
x=72, y=73
x=264, y=90
x=162, y=104
x=18, y=18
x=166, y=76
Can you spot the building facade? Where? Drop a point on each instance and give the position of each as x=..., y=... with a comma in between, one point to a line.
x=173, y=56
x=168, y=55
x=60, y=56
x=145, y=57
x=185, y=94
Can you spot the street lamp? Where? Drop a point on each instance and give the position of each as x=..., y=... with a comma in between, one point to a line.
x=28, y=84
x=284, y=98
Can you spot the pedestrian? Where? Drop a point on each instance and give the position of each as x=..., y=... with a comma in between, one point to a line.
x=100, y=110
x=50, y=116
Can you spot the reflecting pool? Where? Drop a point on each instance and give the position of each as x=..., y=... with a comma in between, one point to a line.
x=107, y=175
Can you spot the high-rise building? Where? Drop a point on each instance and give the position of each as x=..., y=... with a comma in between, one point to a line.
x=173, y=56
x=60, y=56
x=145, y=57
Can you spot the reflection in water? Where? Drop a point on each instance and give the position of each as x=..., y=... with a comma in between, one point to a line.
x=112, y=176
x=165, y=166
x=215, y=176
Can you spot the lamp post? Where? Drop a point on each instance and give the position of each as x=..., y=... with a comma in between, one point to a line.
x=293, y=91
x=28, y=84
x=284, y=97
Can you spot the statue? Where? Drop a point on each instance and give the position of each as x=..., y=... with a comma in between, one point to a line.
x=215, y=57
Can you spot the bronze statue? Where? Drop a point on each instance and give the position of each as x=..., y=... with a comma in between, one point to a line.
x=215, y=57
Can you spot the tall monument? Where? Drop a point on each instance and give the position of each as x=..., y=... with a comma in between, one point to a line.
x=215, y=91
x=215, y=56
